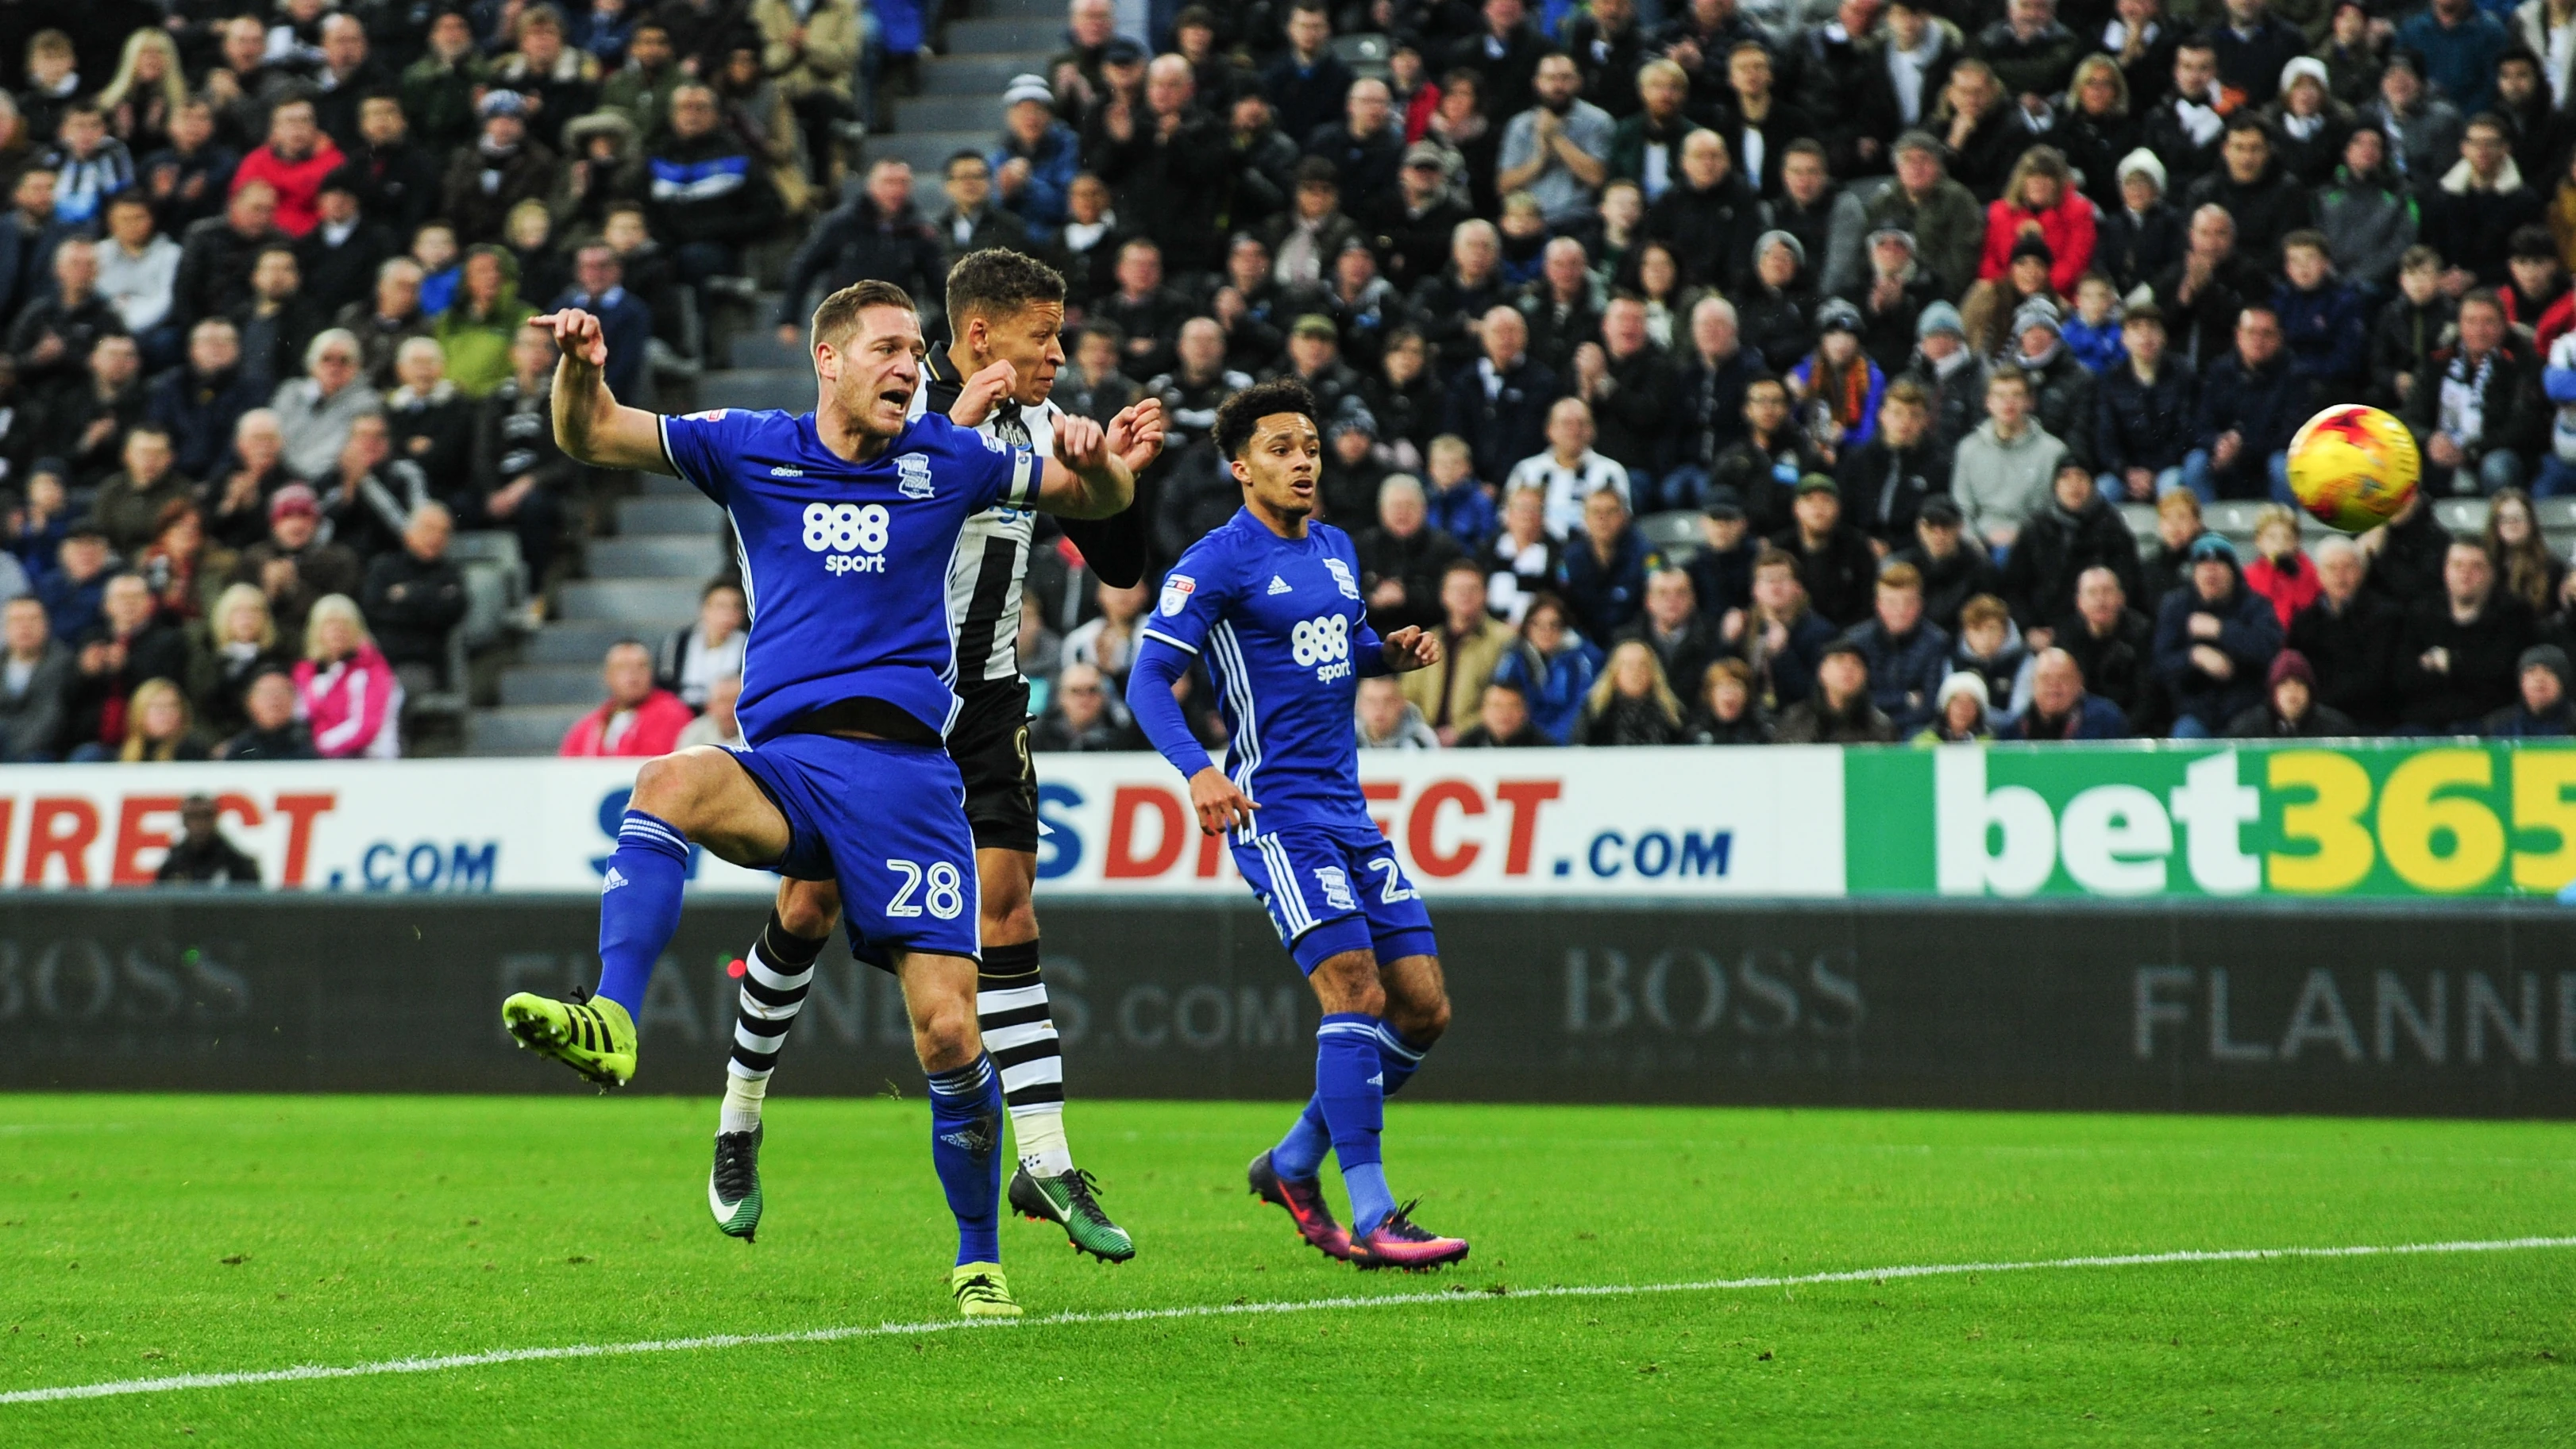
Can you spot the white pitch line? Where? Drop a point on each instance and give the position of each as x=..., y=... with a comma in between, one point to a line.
x=306, y=1372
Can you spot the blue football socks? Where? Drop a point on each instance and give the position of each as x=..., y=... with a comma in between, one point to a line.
x=639, y=906
x=1350, y=1087
x=1300, y=1154
x=965, y=1148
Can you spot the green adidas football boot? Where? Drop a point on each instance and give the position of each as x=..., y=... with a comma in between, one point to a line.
x=733, y=1184
x=590, y=1034
x=1070, y=1199
x=982, y=1291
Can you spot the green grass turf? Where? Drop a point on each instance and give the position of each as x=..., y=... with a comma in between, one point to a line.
x=142, y=1236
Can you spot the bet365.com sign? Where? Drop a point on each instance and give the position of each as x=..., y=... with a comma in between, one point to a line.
x=2357, y=818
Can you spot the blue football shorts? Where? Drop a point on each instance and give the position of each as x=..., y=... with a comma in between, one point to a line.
x=887, y=822
x=1329, y=891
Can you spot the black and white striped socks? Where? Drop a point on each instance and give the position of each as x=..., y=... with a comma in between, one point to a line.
x=1011, y=1010
x=1019, y=1032
x=776, y=975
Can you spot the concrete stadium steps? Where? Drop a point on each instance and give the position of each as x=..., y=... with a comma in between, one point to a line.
x=691, y=514
x=521, y=729
x=759, y=350
x=984, y=73
x=581, y=641
x=758, y=387
x=644, y=602
x=657, y=556
x=552, y=684
x=981, y=114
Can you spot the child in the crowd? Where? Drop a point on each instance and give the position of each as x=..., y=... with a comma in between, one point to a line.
x=2409, y=328
x=2281, y=570
x=434, y=247
x=2321, y=318
x=1989, y=646
x=2092, y=335
x=1525, y=239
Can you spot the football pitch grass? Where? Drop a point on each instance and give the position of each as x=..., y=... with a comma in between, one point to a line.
x=145, y=1238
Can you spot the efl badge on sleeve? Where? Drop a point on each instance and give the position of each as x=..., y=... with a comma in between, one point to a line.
x=1177, y=589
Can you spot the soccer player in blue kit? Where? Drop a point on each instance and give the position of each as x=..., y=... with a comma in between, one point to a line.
x=1271, y=601
x=846, y=520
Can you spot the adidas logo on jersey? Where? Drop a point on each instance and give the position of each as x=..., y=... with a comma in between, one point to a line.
x=781, y=470
x=614, y=881
x=1279, y=585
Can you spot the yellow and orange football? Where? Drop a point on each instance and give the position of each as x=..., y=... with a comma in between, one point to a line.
x=2354, y=467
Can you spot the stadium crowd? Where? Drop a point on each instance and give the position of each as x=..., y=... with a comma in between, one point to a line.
x=1702, y=371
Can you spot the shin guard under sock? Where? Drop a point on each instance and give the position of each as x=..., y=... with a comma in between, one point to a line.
x=639, y=906
x=965, y=1149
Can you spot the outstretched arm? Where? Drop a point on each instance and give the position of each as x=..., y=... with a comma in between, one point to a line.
x=1219, y=804
x=591, y=425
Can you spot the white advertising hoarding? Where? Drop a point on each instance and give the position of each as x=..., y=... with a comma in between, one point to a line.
x=1647, y=823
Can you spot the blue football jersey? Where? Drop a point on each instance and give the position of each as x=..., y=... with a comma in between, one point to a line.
x=1285, y=635
x=845, y=565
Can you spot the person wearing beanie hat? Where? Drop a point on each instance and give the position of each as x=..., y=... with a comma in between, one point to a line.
x=1947, y=224
x=2308, y=124
x=2253, y=48
x=2062, y=387
x=1950, y=373
x=2214, y=639
x=1775, y=316
x=2140, y=233
x=294, y=535
x=1838, y=382
x=2290, y=710
x=1037, y=159
x=1961, y=713
x=2541, y=710
x=2025, y=274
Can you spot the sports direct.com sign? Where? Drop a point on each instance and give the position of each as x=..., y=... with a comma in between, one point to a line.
x=1475, y=823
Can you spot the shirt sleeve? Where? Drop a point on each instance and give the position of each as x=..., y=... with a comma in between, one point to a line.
x=696, y=444
x=1000, y=473
x=1368, y=651
x=1193, y=596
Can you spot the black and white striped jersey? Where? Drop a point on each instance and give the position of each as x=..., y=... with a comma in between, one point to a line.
x=992, y=557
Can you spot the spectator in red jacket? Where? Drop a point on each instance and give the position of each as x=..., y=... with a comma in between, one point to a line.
x=2040, y=200
x=2281, y=571
x=293, y=162
x=637, y=720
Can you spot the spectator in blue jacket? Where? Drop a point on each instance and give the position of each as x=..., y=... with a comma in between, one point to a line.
x=75, y=590
x=2061, y=708
x=1907, y=655
x=1460, y=506
x=2214, y=639
x=1603, y=574
x=2460, y=44
x=2144, y=413
x=2322, y=320
x=2250, y=404
x=1552, y=667
x=1034, y=166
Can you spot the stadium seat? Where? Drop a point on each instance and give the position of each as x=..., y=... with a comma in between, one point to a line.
x=1365, y=54
x=2233, y=516
x=1671, y=531
x=2141, y=518
x=2461, y=515
x=2554, y=513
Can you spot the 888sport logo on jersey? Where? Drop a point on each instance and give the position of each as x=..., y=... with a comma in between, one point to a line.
x=853, y=534
x=1323, y=644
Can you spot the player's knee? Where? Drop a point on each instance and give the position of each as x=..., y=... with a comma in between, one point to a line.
x=808, y=908
x=1348, y=983
x=1422, y=1020
x=944, y=1035
x=1008, y=923
x=675, y=787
